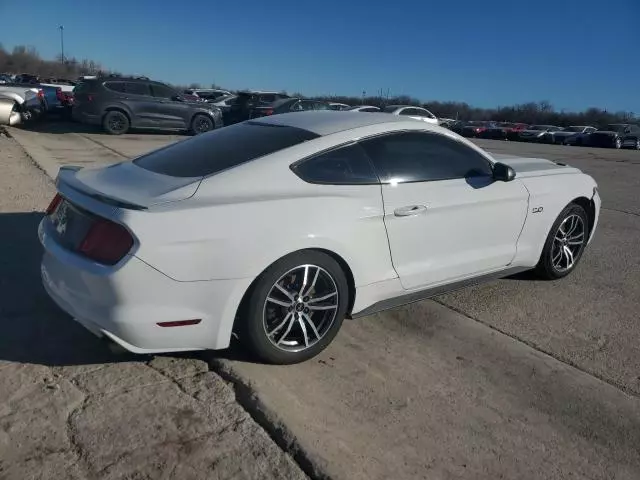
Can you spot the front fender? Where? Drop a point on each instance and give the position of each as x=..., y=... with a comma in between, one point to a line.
x=549, y=195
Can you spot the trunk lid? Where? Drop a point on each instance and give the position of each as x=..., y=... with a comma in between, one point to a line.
x=126, y=185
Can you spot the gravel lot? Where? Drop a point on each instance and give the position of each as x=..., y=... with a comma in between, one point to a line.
x=514, y=379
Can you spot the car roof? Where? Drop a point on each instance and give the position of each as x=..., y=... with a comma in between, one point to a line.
x=327, y=122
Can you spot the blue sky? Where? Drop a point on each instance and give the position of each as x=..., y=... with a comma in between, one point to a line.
x=574, y=53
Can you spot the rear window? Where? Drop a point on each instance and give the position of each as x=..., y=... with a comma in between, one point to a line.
x=222, y=149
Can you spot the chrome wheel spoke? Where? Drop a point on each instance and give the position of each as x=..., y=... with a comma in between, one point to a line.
x=311, y=324
x=569, y=256
x=278, y=302
x=321, y=299
x=284, y=291
x=323, y=307
x=313, y=283
x=286, y=332
x=304, y=330
x=280, y=325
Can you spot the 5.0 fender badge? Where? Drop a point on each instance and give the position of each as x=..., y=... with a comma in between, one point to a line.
x=536, y=209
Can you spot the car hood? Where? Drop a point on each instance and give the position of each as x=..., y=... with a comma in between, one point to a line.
x=127, y=185
x=534, y=167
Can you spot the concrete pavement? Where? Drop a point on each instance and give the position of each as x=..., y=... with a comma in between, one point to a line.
x=459, y=387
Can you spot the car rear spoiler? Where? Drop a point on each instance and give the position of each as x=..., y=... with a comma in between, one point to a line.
x=67, y=177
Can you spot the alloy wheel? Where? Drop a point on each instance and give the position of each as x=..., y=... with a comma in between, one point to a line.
x=116, y=123
x=300, y=308
x=568, y=243
x=618, y=143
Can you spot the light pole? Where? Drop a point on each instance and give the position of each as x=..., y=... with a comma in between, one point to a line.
x=61, y=27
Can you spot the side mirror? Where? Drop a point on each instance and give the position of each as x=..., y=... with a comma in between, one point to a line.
x=503, y=173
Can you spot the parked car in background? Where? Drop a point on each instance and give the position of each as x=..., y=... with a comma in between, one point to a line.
x=207, y=94
x=364, y=108
x=168, y=251
x=536, y=133
x=20, y=103
x=287, y=105
x=573, y=135
x=618, y=135
x=119, y=103
x=502, y=130
x=26, y=78
x=456, y=126
x=5, y=78
x=338, y=106
x=417, y=113
x=476, y=127
x=239, y=109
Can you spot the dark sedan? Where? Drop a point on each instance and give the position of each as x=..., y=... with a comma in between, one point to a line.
x=619, y=135
x=288, y=105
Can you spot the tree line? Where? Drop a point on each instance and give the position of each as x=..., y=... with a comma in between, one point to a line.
x=23, y=59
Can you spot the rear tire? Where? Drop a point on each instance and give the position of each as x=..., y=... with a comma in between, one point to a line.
x=115, y=122
x=281, y=325
x=618, y=143
x=565, y=243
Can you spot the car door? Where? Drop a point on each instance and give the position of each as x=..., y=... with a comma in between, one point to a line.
x=138, y=100
x=168, y=110
x=446, y=218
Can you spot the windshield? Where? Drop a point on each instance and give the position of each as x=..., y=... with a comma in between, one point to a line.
x=221, y=149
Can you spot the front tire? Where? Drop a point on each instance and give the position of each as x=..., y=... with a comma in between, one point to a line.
x=201, y=124
x=115, y=123
x=565, y=243
x=295, y=308
x=618, y=143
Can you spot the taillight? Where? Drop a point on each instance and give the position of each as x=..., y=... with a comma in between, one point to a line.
x=53, y=205
x=59, y=95
x=106, y=242
x=40, y=94
x=89, y=98
x=268, y=111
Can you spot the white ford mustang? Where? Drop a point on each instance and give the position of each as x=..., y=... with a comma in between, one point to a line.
x=277, y=229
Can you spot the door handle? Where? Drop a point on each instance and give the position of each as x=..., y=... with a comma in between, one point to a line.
x=410, y=210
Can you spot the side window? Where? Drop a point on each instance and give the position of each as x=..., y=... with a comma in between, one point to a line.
x=115, y=86
x=321, y=106
x=267, y=98
x=423, y=157
x=341, y=166
x=137, y=88
x=408, y=111
x=162, y=91
x=307, y=105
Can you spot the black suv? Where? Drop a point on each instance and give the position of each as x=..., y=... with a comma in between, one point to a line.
x=119, y=103
x=617, y=135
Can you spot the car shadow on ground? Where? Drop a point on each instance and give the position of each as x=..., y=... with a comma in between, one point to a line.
x=55, y=124
x=33, y=328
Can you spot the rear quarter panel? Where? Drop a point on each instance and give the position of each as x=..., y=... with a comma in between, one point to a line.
x=549, y=195
x=242, y=220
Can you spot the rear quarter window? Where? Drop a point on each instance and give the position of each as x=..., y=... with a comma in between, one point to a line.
x=222, y=149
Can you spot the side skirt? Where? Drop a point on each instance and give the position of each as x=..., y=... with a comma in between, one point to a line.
x=434, y=291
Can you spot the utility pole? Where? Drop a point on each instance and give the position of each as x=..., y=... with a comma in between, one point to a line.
x=61, y=27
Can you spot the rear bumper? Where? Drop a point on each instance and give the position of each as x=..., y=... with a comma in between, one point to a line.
x=125, y=303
